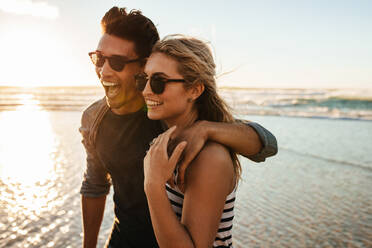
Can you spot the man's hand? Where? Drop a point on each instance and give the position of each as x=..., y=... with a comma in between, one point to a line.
x=196, y=136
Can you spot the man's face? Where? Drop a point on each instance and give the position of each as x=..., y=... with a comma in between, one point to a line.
x=121, y=93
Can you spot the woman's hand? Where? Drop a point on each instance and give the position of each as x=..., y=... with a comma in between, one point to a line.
x=158, y=167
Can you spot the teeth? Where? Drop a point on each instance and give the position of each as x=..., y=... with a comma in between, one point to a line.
x=109, y=84
x=152, y=103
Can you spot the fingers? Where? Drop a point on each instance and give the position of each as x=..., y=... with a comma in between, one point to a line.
x=189, y=155
x=171, y=181
x=164, y=137
x=181, y=174
x=177, y=153
x=163, y=140
x=152, y=141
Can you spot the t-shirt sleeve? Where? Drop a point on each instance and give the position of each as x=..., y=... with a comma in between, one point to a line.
x=269, y=143
x=96, y=180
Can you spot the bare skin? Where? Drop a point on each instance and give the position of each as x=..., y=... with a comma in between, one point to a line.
x=92, y=209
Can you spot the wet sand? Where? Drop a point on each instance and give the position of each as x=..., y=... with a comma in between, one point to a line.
x=315, y=193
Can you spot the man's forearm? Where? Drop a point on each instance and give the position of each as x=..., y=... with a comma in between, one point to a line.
x=92, y=210
x=240, y=137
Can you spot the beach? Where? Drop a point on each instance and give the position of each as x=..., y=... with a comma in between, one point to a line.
x=316, y=192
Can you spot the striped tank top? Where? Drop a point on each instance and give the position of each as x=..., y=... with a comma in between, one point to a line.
x=223, y=236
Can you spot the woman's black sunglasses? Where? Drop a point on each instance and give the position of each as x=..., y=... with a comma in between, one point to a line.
x=157, y=82
x=117, y=62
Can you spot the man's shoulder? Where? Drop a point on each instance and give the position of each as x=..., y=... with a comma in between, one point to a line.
x=93, y=110
x=91, y=119
x=95, y=107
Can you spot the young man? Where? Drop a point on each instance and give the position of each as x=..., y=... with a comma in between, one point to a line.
x=116, y=134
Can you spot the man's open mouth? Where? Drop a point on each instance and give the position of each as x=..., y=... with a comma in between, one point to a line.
x=111, y=88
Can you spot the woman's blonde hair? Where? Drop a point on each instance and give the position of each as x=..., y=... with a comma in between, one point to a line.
x=196, y=65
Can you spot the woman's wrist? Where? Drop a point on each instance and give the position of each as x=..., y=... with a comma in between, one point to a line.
x=153, y=186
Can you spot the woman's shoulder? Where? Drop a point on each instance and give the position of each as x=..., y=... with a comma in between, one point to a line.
x=213, y=164
x=215, y=152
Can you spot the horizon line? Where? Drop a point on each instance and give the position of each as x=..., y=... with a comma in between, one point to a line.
x=219, y=87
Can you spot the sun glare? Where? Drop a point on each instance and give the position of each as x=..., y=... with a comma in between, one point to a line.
x=26, y=157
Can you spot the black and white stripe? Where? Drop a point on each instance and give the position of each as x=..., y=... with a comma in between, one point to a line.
x=223, y=236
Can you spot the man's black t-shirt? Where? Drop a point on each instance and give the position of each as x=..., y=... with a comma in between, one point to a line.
x=121, y=144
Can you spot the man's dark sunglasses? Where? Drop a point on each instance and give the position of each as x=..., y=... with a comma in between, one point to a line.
x=117, y=62
x=157, y=82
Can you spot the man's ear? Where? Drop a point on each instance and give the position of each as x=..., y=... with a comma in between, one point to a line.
x=196, y=90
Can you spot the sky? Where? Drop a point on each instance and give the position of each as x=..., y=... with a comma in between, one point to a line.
x=262, y=43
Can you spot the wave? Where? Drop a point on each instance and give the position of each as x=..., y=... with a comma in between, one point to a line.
x=314, y=103
x=317, y=103
x=49, y=98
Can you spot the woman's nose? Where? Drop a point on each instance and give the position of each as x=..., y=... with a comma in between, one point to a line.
x=147, y=90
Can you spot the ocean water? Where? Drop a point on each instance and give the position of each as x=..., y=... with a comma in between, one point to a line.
x=315, y=193
x=319, y=103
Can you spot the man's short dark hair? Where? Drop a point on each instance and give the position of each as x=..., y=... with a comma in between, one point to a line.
x=132, y=26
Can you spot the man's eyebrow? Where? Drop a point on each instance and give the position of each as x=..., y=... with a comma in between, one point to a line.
x=160, y=74
x=119, y=55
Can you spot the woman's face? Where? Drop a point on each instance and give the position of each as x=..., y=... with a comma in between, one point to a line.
x=172, y=105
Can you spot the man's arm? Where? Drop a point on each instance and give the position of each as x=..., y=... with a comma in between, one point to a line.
x=95, y=186
x=268, y=141
x=92, y=210
x=241, y=138
x=245, y=138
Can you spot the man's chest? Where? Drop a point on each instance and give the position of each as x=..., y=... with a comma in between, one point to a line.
x=121, y=144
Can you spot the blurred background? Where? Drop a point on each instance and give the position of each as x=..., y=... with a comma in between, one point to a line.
x=302, y=69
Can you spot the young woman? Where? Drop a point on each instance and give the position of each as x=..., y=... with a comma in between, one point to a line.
x=179, y=88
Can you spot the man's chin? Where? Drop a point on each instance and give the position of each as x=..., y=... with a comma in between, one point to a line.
x=115, y=106
x=111, y=103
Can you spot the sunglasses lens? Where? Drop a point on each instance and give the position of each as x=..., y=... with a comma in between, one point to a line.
x=117, y=63
x=157, y=84
x=97, y=59
x=141, y=81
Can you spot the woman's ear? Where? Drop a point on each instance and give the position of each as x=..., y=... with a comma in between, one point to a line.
x=196, y=90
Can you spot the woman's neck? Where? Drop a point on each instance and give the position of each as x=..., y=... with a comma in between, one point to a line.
x=184, y=121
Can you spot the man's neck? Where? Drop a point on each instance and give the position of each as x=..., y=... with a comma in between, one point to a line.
x=129, y=108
